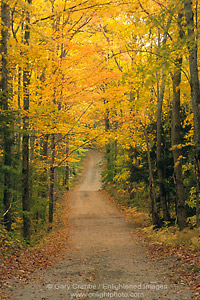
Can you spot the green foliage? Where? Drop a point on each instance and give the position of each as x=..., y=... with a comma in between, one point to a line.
x=9, y=241
x=110, y=171
x=126, y=168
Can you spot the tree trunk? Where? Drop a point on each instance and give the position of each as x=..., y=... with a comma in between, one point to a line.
x=154, y=213
x=7, y=135
x=194, y=80
x=66, y=171
x=19, y=94
x=176, y=139
x=66, y=178
x=107, y=146
x=197, y=201
x=159, y=156
x=25, y=140
x=43, y=158
x=52, y=171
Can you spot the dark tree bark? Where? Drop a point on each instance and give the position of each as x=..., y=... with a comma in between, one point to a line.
x=197, y=200
x=19, y=96
x=194, y=80
x=107, y=128
x=25, y=140
x=7, y=135
x=66, y=171
x=52, y=175
x=159, y=155
x=43, y=158
x=176, y=139
x=66, y=178
x=154, y=212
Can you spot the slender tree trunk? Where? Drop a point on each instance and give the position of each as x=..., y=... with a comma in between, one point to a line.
x=194, y=80
x=132, y=156
x=154, y=213
x=197, y=201
x=25, y=140
x=159, y=155
x=66, y=174
x=32, y=143
x=115, y=155
x=52, y=175
x=107, y=128
x=43, y=158
x=66, y=178
x=7, y=135
x=19, y=94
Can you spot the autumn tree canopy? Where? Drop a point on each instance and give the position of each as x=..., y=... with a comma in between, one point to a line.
x=121, y=76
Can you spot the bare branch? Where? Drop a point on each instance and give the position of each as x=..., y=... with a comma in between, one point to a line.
x=7, y=210
x=73, y=9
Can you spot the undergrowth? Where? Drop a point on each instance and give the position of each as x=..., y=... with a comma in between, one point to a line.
x=168, y=235
x=172, y=236
x=42, y=236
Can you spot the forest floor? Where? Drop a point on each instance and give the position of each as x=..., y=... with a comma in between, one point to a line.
x=102, y=257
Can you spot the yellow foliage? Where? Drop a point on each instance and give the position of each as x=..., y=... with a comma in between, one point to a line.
x=139, y=218
x=172, y=236
x=123, y=176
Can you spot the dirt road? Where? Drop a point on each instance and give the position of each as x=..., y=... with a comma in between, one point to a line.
x=105, y=260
